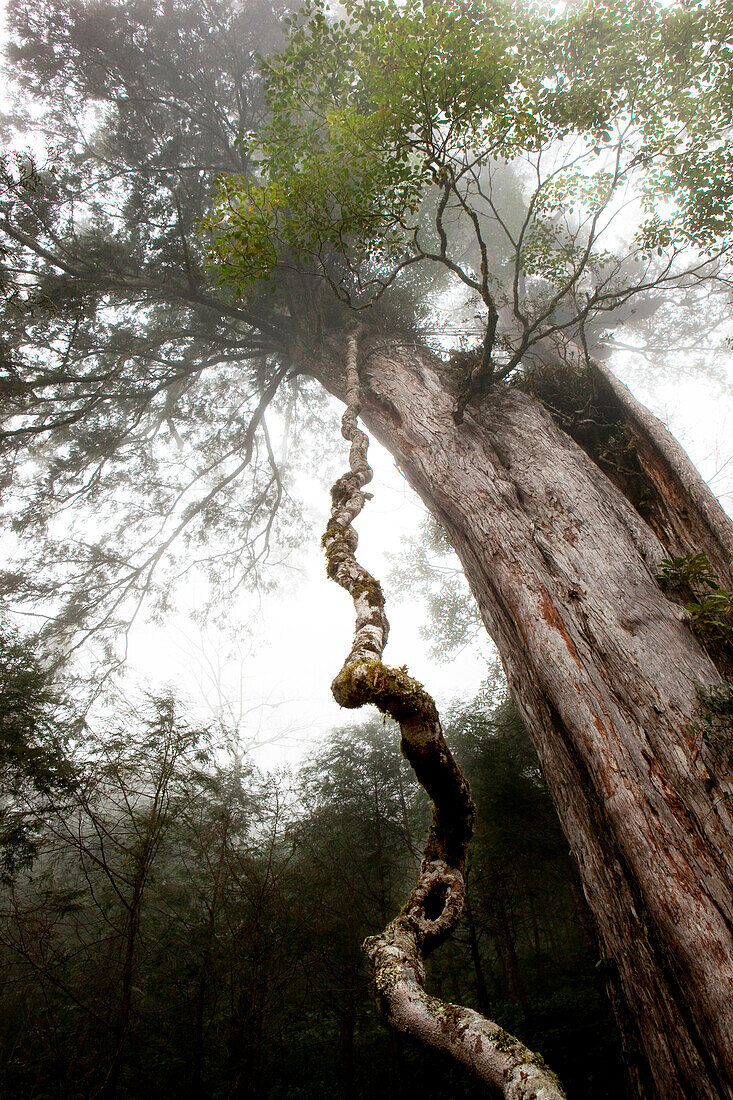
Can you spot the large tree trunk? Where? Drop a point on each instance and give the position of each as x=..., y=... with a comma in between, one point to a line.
x=603, y=668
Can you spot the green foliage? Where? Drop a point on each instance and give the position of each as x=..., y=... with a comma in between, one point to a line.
x=712, y=619
x=697, y=173
x=711, y=610
x=381, y=92
x=369, y=111
x=692, y=570
x=37, y=723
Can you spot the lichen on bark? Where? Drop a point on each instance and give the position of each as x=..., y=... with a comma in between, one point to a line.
x=434, y=906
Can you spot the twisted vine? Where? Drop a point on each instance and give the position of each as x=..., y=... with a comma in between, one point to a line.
x=398, y=954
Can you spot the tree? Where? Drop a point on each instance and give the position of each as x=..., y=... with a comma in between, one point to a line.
x=103, y=234
x=77, y=920
x=562, y=553
x=37, y=724
x=357, y=833
x=561, y=495
x=126, y=803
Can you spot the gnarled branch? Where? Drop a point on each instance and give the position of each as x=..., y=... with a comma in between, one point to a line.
x=435, y=904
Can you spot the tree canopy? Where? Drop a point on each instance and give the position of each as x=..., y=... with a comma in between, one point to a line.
x=123, y=368
x=556, y=163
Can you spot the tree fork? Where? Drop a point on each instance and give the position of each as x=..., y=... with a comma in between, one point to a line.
x=680, y=508
x=432, y=911
x=692, y=519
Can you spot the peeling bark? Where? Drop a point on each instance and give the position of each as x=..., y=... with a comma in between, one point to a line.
x=435, y=904
x=603, y=668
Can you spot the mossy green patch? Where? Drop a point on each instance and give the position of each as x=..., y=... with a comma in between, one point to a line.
x=505, y=1042
x=539, y=1061
x=391, y=690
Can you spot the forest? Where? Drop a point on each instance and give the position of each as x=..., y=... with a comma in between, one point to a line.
x=224, y=225
x=194, y=928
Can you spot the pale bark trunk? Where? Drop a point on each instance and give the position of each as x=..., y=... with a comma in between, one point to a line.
x=603, y=669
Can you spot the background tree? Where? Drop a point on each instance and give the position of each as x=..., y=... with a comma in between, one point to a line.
x=37, y=727
x=146, y=108
x=254, y=907
x=359, y=842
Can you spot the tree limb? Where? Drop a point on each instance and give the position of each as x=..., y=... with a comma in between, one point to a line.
x=435, y=904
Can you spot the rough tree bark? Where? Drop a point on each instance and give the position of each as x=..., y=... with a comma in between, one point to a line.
x=436, y=901
x=603, y=668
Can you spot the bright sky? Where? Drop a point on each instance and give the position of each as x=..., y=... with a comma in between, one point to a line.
x=301, y=637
